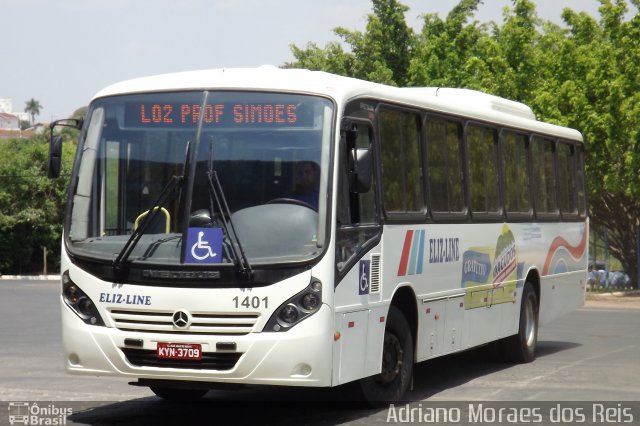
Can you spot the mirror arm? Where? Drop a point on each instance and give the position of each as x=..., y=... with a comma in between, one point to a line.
x=75, y=123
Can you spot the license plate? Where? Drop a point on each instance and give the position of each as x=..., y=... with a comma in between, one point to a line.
x=188, y=351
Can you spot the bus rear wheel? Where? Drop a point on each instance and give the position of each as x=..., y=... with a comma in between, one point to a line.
x=175, y=394
x=521, y=347
x=397, y=363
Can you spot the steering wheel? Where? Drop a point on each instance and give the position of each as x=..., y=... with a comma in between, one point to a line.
x=285, y=200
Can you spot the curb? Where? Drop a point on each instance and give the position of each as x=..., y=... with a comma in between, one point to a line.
x=31, y=277
x=613, y=295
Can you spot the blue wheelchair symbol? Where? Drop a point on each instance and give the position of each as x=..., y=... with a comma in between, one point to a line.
x=204, y=245
x=363, y=287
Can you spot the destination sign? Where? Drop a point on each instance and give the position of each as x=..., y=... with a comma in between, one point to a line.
x=227, y=115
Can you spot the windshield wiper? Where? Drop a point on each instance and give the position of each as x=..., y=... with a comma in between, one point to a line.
x=170, y=187
x=217, y=194
x=148, y=219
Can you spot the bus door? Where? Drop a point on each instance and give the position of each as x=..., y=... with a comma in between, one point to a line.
x=358, y=231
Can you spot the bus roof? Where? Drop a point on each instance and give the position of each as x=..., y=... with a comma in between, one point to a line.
x=462, y=102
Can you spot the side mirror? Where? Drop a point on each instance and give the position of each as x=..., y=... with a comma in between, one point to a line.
x=55, y=156
x=362, y=174
x=55, y=145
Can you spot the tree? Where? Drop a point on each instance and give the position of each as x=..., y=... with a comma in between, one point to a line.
x=31, y=205
x=583, y=75
x=32, y=107
x=598, y=92
x=381, y=54
x=448, y=49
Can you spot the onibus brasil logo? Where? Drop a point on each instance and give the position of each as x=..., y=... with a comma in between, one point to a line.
x=27, y=413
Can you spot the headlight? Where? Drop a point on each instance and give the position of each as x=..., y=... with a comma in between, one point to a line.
x=79, y=302
x=310, y=301
x=289, y=314
x=299, y=307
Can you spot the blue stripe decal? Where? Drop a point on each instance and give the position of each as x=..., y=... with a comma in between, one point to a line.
x=420, y=253
x=414, y=253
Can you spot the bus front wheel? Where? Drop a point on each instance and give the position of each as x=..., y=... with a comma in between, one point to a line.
x=397, y=363
x=521, y=347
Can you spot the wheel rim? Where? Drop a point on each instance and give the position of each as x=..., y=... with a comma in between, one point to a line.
x=392, y=358
x=530, y=323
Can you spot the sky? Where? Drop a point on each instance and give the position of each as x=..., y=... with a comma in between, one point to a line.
x=62, y=52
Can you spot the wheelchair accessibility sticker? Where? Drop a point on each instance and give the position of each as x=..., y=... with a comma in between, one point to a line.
x=364, y=266
x=204, y=245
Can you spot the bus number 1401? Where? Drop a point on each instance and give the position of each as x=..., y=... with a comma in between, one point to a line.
x=254, y=302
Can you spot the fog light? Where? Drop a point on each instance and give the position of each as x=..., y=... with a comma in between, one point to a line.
x=74, y=359
x=301, y=370
x=289, y=314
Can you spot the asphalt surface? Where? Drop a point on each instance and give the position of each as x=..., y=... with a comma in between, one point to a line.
x=591, y=354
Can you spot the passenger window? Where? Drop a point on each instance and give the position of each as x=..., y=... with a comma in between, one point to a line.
x=401, y=165
x=444, y=165
x=543, y=152
x=581, y=183
x=567, y=178
x=516, y=172
x=482, y=166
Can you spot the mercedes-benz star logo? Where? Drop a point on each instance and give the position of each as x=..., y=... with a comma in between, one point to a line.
x=181, y=319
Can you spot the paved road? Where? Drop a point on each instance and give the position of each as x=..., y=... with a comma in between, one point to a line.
x=590, y=355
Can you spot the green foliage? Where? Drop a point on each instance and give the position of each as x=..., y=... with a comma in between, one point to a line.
x=31, y=205
x=448, y=52
x=381, y=54
x=584, y=74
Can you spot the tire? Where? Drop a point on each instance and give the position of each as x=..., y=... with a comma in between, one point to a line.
x=397, y=364
x=175, y=394
x=521, y=347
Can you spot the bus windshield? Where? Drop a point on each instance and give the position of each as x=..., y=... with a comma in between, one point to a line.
x=268, y=151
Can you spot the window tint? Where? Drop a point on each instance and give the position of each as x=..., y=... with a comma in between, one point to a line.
x=482, y=165
x=516, y=174
x=444, y=165
x=544, y=175
x=401, y=171
x=366, y=202
x=112, y=171
x=580, y=182
x=567, y=178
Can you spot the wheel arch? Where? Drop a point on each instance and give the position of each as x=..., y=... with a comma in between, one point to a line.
x=405, y=300
x=533, y=277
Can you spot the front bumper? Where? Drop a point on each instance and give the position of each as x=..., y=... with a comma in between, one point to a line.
x=301, y=356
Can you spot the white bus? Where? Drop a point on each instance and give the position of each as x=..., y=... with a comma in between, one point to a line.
x=290, y=227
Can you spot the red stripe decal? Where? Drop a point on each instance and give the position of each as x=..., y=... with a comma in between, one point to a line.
x=558, y=242
x=404, y=259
